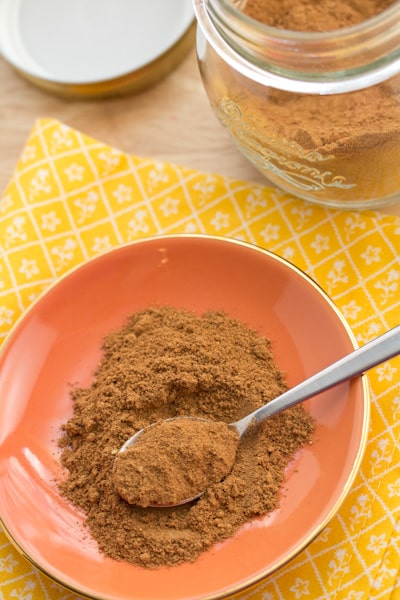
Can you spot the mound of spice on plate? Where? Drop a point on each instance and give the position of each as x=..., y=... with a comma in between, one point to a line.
x=163, y=363
x=175, y=460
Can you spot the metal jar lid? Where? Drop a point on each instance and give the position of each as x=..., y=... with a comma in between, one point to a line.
x=95, y=48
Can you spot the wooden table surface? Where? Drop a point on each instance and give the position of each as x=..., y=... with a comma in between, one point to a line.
x=172, y=121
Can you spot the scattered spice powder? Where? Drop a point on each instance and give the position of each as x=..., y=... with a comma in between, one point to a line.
x=175, y=460
x=162, y=363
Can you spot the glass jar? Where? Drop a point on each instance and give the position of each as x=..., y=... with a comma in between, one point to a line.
x=317, y=113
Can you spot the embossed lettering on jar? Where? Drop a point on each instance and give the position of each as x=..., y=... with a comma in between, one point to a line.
x=317, y=112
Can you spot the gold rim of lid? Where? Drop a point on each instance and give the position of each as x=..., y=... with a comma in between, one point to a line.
x=136, y=80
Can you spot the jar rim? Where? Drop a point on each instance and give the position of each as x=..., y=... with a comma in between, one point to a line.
x=337, y=61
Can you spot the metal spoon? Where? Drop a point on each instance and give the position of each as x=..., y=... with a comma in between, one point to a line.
x=373, y=353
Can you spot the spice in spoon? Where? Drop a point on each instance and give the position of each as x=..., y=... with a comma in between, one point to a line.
x=174, y=461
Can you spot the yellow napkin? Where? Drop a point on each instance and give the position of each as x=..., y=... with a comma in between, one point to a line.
x=72, y=197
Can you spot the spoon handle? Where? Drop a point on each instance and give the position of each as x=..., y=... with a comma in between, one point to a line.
x=371, y=354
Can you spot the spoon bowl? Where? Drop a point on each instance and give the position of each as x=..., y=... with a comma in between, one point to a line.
x=375, y=352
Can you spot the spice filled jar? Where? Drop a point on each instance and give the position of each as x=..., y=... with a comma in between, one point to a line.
x=314, y=105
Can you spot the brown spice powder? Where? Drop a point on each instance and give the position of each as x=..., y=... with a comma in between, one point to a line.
x=164, y=363
x=313, y=15
x=175, y=460
x=338, y=125
x=346, y=146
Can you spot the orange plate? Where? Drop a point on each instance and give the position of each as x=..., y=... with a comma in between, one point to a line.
x=58, y=342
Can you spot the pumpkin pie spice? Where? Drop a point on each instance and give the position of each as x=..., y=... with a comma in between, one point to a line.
x=162, y=363
x=346, y=144
x=313, y=15
x=175, y=460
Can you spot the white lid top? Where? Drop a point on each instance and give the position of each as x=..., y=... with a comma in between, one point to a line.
x=88, y=41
